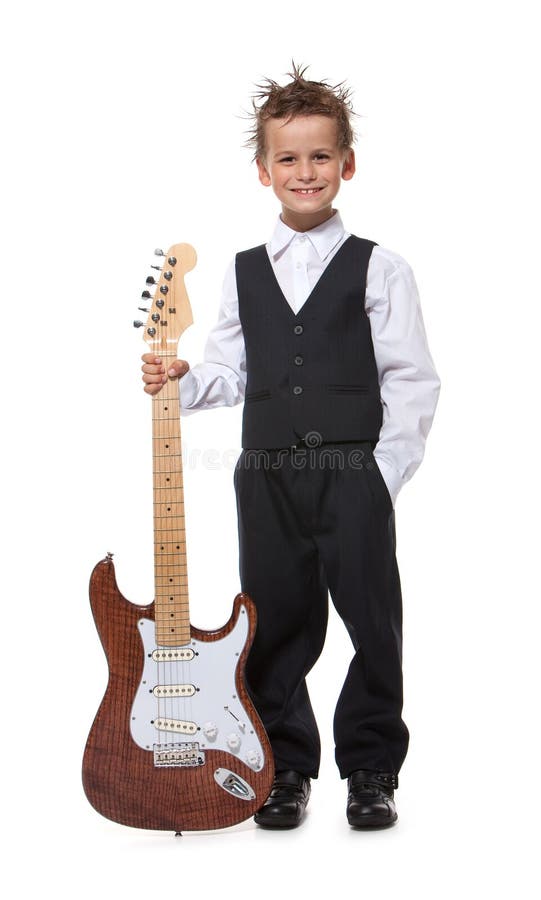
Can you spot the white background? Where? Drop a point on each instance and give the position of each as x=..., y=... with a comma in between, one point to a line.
x=122, y=131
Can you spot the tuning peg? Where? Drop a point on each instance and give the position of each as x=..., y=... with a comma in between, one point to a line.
x=151, y=280
x=159, y=252
x=138, y=324
x=159, y=268
x=146, y=295
x=143, y=309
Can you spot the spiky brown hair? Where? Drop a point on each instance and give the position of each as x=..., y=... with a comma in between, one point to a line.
x=299, y=97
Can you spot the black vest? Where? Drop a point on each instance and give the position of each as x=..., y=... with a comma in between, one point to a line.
x=312, y=375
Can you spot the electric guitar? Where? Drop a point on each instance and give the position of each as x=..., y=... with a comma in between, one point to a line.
x=176, y=743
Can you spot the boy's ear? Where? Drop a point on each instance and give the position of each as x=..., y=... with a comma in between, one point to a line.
x=348, y=165
x=264, y=176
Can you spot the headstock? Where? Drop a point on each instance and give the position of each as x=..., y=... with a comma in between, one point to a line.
x=166, y=299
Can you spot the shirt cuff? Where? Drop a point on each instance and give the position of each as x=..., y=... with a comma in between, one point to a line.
x=391, y=477
x=188, y=386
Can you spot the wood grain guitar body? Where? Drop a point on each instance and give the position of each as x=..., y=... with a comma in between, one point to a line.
x=190, y=774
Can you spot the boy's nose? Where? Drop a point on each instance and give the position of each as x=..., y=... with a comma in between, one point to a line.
x=306, y=172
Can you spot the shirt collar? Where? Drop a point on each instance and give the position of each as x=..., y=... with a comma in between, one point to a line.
x=323, y=238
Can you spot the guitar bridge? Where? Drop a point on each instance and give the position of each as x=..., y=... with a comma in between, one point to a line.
x=178, y=754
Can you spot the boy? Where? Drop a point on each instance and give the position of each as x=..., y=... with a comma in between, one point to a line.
x=321, y=333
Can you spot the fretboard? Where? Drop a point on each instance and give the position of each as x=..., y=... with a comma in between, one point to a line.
x=170, y=564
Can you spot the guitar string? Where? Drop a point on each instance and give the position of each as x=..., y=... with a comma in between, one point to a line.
x=175, y=705
x=177, y=672
x=187, y=704
x=176, y=465
x=160, y=665
x=190, y=701
x=172, y=500
x=176, y=458
x=161, y=501
x=176, y=462
x=168, y=669
x=168, y=673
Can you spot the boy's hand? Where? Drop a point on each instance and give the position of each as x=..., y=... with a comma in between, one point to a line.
x=154, y=374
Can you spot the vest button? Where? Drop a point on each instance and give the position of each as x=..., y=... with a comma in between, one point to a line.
x=298, y=329
x=299, y=360
x=297, y=389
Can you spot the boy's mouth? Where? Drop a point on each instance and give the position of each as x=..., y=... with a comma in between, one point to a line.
x=306, y=191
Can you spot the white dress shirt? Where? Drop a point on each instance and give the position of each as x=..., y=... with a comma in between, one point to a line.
x=409, y=384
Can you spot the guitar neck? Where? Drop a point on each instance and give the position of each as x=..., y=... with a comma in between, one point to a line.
x=172, y=611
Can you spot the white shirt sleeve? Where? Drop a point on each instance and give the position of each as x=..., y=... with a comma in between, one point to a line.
x=409, y=384
x=220, y=380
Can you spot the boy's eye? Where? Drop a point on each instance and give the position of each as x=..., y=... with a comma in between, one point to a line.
x=288, y=159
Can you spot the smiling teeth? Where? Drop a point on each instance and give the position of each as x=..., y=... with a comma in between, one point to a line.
x=307, y=190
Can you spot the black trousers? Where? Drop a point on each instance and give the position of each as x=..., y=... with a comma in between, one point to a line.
x=314, y=521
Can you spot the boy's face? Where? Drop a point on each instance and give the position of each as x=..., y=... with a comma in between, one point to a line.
x=304, y=166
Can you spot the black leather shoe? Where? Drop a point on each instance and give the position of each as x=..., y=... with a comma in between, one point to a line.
x=371, y=799
x=286, y=804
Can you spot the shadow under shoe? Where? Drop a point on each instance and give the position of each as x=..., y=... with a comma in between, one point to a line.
x=370, y=802
x=286, y=805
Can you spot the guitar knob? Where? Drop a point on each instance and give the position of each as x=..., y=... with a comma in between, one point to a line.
x=253, y=758
x=233, y=741
x=210, y=730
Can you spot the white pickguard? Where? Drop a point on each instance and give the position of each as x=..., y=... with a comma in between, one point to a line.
x=213, y=703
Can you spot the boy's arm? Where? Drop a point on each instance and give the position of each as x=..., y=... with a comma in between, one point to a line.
x=220, y=380
x=409, y=384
